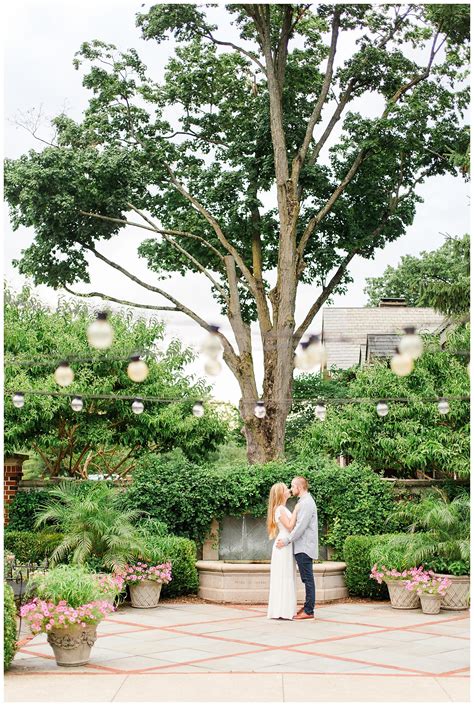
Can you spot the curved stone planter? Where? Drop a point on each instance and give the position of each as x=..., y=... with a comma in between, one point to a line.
x=430, y=604
x=247, y=582
x=457, y=595
x=72, y=645
x=145, y=594
x=400, y=598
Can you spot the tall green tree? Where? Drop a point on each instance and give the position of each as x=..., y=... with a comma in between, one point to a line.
x=438, y=278
x=222, y=160
x=106, y=436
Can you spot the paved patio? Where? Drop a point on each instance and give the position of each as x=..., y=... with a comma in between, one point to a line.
x=205, y=652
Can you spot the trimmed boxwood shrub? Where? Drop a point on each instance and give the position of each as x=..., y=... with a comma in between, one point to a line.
x=181, y=553
x=23, y=509
x=31, y=546
x=9, y=626
x=359, y=555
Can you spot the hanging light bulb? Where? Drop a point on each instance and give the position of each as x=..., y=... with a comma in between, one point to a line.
x=63, y=374
x=198, y=409
x=77, y=404
x=137, y=406
x=212, y=367
x=18, y=400
x=443, y=406
x=259, y=409
x=402, y=364
x=312, y=353
x=382, y=409
x=137, y=369
x=411, y=343
x=211, y=346
x=100, y=333
x=320, y=411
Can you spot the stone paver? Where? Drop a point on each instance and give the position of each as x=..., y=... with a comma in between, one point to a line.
x=233, y=653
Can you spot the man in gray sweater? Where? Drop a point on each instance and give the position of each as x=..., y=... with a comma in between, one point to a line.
x=304, y=538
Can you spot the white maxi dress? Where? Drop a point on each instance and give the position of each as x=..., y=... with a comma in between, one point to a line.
x=282, y=597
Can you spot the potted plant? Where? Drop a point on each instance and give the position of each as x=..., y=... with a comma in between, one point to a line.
x=396, y=582
x=439, y=537
x=68, y=605
x=110, y=586
x=145, y=581
x=431, y=589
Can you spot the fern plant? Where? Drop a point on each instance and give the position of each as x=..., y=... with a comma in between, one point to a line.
x=96, y=528
x=438, y=533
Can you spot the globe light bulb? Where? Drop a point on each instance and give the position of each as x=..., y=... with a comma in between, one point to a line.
x=316, y=351
x=63, y=374
x=100, y=333
x=77, y=404
x=137, y=406
x=211, y=345
x=198, y=409
x=402, y=364
x=320, y=411
x=443, y=406
x=137, y=369
x=212, y=367
x=411, y=343
x=302, y=362
x=260, y=410
x=382, y=409
x=18, y=400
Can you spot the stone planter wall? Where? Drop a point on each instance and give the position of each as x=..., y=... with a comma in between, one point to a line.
x=240, y=582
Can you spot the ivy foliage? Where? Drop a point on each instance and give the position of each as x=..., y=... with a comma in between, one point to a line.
x=9, y=626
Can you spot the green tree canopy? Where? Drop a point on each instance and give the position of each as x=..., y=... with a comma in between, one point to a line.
x=414, y=436
x=223, y=160
x=106, y=436
x=438, y=278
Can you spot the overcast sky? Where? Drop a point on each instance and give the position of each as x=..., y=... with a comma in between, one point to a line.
x=41, y=39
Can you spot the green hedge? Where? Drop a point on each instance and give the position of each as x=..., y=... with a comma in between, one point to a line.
x=181, y=553
x=9, y=626
x=31, y=546
x=23, y=509
x=358, y=553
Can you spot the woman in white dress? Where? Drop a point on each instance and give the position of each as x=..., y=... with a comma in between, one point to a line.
x=280, y=522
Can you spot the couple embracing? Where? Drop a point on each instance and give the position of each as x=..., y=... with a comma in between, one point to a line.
x=296, y=543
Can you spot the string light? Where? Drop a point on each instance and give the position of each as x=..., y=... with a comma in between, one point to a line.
x=100, y=333
x=211, y=345
x=320, y=411
x=443, y=406
x=382, y=409
x=312, y=353
x=137, y=406
x=63, y=374
x=212, y=367
x=77, y=404
x=137, y=369
x=259, y=409
x=411, y=343
x=402, y=364
x=198, y=409
x=18, y=400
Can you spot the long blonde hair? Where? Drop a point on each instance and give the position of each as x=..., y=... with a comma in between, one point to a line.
x=276, y=498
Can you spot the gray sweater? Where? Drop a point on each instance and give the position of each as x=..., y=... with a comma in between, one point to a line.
x=304, y=536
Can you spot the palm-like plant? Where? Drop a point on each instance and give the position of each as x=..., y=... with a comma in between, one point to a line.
x=94, y=524
x=438, y=534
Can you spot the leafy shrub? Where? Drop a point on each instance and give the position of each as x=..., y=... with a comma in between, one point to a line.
x=181, y=553
x=23, y=509
x=73, y=584
x=31, y=547
x=357, y=550
x=9, y=626
x=391, y=554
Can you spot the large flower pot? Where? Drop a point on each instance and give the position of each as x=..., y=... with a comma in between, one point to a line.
x=400, y=598
x=430, y=603
x=145, y=594
x=457, y=595
x=72, y=645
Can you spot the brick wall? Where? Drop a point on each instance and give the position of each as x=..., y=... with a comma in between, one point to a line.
x=12, y=473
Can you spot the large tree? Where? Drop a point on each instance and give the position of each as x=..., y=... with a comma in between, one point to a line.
x=225, y=161
x=106, y=437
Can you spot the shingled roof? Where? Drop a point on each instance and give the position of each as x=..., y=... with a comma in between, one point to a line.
x=356, y=324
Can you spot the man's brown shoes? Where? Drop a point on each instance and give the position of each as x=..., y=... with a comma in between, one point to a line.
x=303, y=616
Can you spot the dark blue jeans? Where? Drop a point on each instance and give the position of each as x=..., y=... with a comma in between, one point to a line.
x=305, y=566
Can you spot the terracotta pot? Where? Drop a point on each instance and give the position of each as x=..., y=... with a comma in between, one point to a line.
x=457, y=595
x=72, y=644
x=430, y=603
x=145, y=594
x=400, y=598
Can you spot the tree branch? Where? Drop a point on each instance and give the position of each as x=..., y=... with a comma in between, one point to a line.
x=241, y=50
x=120, y=301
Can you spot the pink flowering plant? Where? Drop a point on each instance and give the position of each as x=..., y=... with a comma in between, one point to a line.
x=111, y=584
x=43, y=616
x=384, y=574
x=429, y=584
x=142, y=571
